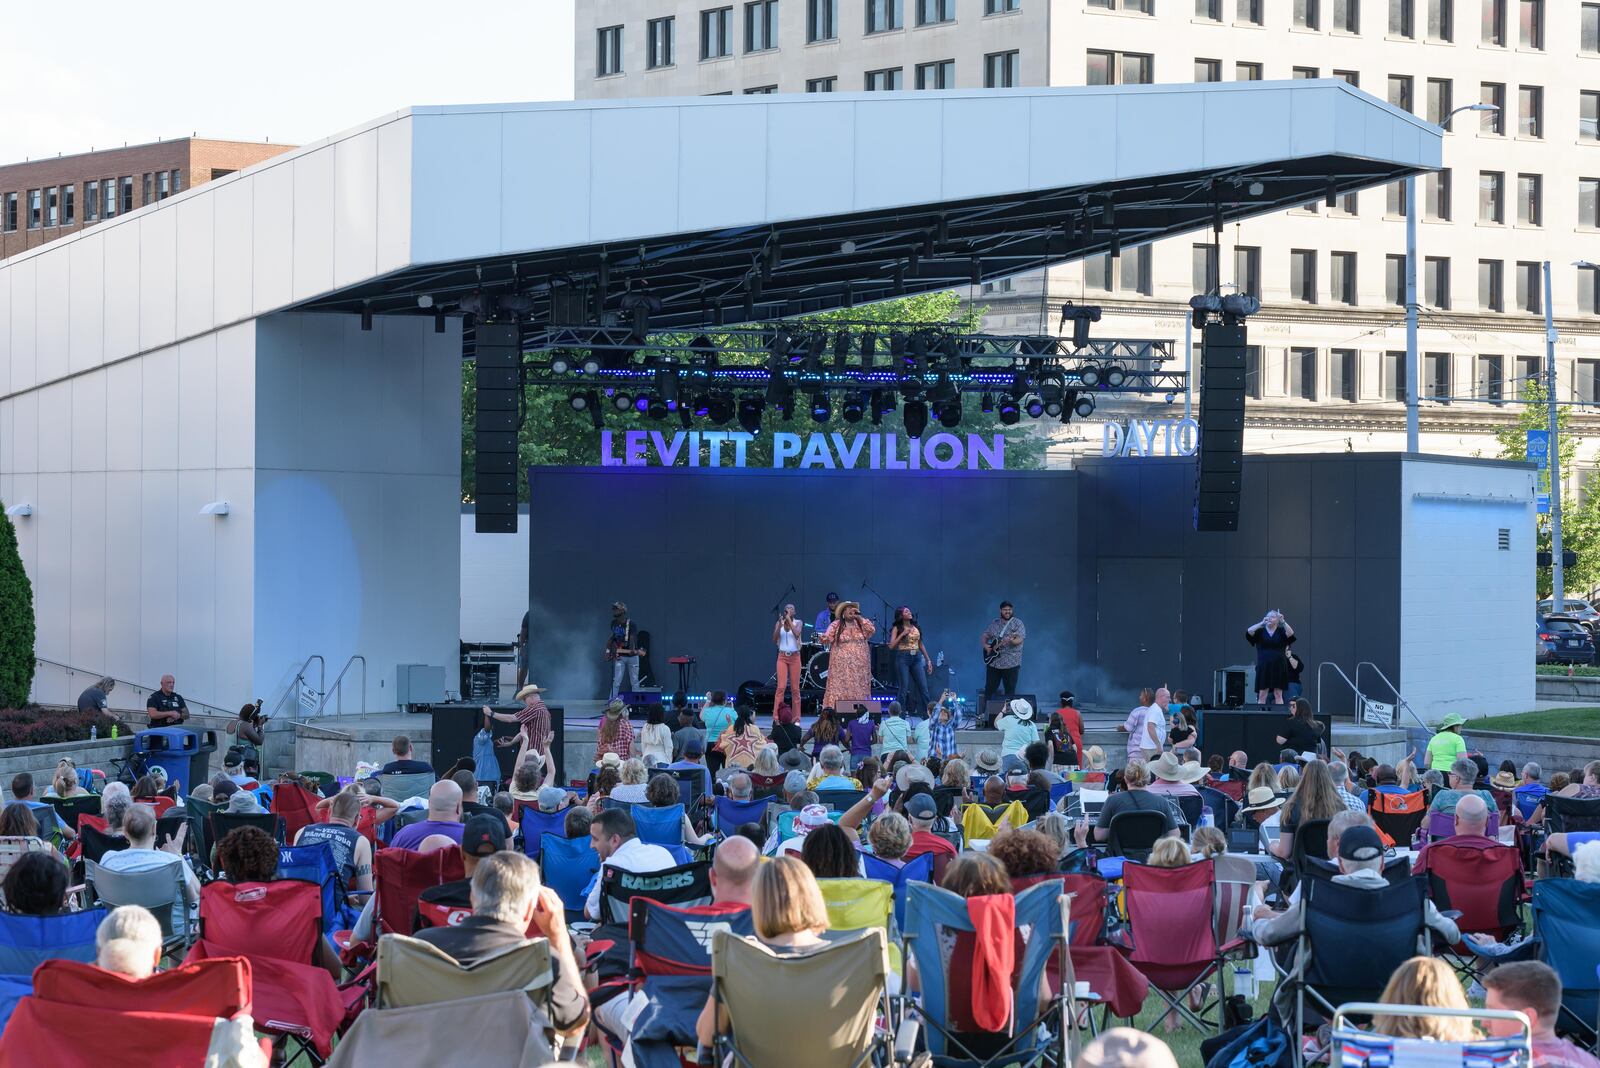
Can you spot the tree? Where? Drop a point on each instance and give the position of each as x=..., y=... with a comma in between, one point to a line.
x=1580, y=526
x=554, y=434
x=16, y=621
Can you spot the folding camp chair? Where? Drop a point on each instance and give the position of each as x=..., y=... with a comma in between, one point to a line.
x=1193, y=806
x=568, y=865
x=1232, y=789
x=97, y=843
x=1484, y=885
x=1566, y=814
x=13, y=847
x=981, y=822
x=944, y=800
x=404, y=787
x=223, y=822
x=1310, y=843
x=731, y=814
x=506, y=1028
x=1059, y=790
x=26, y=941
x=275, y=926
x=1028, y=1038
x=1134, y=834
x=399, y=876
x=658, y=826
x=200, y=841
x=70, y=808
x=811, y=1010
x=179, y=1016
x=691, y=786
x=535, y=825
x=296, y=806
x=672, y=975
x=1526, y=798
x=314, y=864
x=685, y=885
x=412, y=972
x=840, y=800
x=1397, y=816
x=1035, y=802
x=1356, y=1046
x=919, y=870
x=854, y=905
x=1224, y=808
x=1235, y=876
x=1171, y=918
x=1566, y=925
x=161, y=890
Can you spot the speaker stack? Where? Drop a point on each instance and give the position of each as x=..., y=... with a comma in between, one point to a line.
x=1220, y=461
x=499, y=350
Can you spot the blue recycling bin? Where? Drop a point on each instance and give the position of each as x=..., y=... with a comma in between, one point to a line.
x=173, y=749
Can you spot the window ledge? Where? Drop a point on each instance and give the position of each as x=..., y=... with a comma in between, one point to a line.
x=1398, y=39
x=1003, y=14
x=945, y=25
x=1490, y=225
x=822, y=41
x=662, y=67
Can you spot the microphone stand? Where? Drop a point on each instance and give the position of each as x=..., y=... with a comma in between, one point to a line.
x=883, y=608
x=777, y=606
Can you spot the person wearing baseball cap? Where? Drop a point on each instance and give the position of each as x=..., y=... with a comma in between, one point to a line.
x=922, y=810
x=694, y=756
x=825, y=616
x=446, y=904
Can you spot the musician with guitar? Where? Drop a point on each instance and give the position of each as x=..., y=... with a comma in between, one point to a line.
x=623, y=649
x=1002, y=651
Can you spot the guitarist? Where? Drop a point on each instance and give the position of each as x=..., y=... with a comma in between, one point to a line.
x=623, y=649
x=1002, y=652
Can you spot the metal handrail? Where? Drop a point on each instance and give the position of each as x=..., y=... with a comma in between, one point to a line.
x=293, y=689
x=1399, y=702
x=1353, y=687
x=338, y=687
x=138, y=689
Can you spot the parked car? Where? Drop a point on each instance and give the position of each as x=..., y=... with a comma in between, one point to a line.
x=1582, y=611
x=1563, y=640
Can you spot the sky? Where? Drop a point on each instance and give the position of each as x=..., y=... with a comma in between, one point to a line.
x=292, y=71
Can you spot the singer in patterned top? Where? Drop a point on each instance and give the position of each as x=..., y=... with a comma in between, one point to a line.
x=850, y=659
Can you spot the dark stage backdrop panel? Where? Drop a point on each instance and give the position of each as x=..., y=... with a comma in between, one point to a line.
x=700, y=555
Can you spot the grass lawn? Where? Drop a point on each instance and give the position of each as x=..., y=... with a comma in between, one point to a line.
x=1575, y=722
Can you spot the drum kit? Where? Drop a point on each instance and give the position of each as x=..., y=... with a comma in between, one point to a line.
x=814, y=665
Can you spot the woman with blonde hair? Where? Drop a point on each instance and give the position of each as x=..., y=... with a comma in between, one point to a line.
x=1206, y=843
x=1288, y=780
x=65, y=781
x=1431, y=982
x=1314, y=799
x=1169, y=853
x=1406, y=774
x=633, y=778
x=1263, y=774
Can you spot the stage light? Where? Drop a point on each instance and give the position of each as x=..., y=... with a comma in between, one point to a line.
x=667, y=386
x=914, y=414
x=685, y=420
x=1115, y=376
x=841, y=350
x=559, y=363
x=948, y=413
x=855, y=405
x=869, y=351
x=813, y=353
x=1084, y=407
x=641, y=404
x=821, y=406
x=1240, y=305
x=943, y=391
x=751, y=406
x=986, y=403
x=582, y=402
x=622, y=400
x=1033, y=406
x=780, y=394
x=699, y=405
x=1089, y=375
x=591, y=366
x=882, y=405
x=657, y=407
x=1010, y=411
x=1052, y=383
x=720, y=408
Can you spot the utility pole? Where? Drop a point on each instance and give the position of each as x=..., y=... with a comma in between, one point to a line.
x=1554, y=461
x=1412, y=374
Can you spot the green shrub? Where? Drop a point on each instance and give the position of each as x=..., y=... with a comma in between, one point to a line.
x=32, y=725
x=16, y=621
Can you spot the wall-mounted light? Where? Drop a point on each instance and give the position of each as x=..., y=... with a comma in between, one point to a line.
x=215, y=508
x=20, y=510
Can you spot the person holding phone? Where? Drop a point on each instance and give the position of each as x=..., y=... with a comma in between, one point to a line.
x=786, y=636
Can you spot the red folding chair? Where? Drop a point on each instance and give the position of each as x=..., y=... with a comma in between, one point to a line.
x=1174, y=943
x=1484, y=884
x=297, y=806
x=1234, y=788
x=276, y=926
x=399, y=877
x=161, y=803
x=168, y=1019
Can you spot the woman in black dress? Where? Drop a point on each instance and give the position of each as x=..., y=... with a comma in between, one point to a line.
x=1271, y=637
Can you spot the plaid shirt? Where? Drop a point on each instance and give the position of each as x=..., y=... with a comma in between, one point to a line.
x=621, y=744
x=1351, y=801
x=535, y=719
x=942, y=739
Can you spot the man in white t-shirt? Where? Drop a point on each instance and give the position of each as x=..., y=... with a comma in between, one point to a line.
x=615, y=841
x=1144, y=726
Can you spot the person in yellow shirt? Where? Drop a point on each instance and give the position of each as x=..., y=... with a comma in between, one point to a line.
x=1447, y=744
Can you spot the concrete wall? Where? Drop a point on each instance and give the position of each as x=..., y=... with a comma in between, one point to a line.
x=1551, y=753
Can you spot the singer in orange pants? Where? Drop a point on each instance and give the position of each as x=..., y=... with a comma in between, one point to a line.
x=786, y=636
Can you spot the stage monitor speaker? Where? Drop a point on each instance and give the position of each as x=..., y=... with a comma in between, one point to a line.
x=995, y=706
x=499, y=353
x=1226, y=730
x=1219, y=463
x=1228, y=686
x=454, y=726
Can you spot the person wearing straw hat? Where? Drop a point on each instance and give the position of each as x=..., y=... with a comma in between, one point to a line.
x=615, y=735
x=849, y=659
x=1017, y=732
x=1174, y=777
x=533, y=717
x=1261, y=802
x=1447, y=746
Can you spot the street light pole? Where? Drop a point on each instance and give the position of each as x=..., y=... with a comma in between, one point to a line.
x=1554, y=458
x=1413, y=373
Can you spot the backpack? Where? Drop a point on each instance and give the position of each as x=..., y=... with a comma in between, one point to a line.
x=1262, y=1044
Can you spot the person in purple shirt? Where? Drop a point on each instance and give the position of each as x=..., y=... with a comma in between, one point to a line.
x=444, y=817
x=863, y=734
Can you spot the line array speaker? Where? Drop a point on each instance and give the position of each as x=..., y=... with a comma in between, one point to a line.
x=499, y=348
x=1219, y=465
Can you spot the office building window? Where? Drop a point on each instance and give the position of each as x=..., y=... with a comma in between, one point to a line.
x=1394, y=375
x=1308, y=14
x=1000, y=70
x=1120, y=68
x=1494, y=94
x=1491, y=285
x=761, y=25
x=1401, y=19
x=11, y=212
x=1490, y=380
x=1530, y=111
x=1588, y=115
x=1247, y=72
x=1347, y=16
x=997, y=7
x=1436, y=282
x=1303, y=275
x=1300, y=373
x=1436, y=196
x=1394, y=280
x=163, y=185
x=1208, y=9
x=1493, y=31
x=1097, y=272
x=1349, y=77
x=1208, y=70
x=931, y=12
x=1440, y=96
x=1203, y=271
x=125, y=190
x=716, y=33
x=822, y=85
x=1400, y=91
x=1586, y=388
x=1133, y=271
x=68, y=207
x=177, y=182
x=1342, y=374
x=1143, y=7
x=1342, y=277
x=1252, y=371
x=1247, y=270
x=1395, y=199
x=607, y=56
x=1530, y=200
x=1530, y=23
x=661, y=42
x=1249, y=11
x=1589, y=28
x=761, y=90
x=1589, y=203
x=1004, y=285
x=1530, y=287
x=52, y=206
x=885, y=80
x=939, y=75
x=1588, y=288
x=1436, y=374
x=822, y=20
x=885, y=15
x=1530, y=369
x=1491, y=197
x=91, y=201
x=1303, y=73
x=1441, y=20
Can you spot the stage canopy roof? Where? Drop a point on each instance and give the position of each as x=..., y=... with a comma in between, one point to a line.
x=727, y=209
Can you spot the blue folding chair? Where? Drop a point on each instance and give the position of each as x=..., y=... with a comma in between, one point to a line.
x=27, y=940
x=13, y=988
x=1566, y=923
x=1527, y=797
x=1058, y=790
x=659, y=826
x=314, y=864
x=732, y=814
x=839, y=800
x=535, y=825
x=919, y=870
x=569, y=865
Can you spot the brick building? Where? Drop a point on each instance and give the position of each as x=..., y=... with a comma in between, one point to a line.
x=42, y=200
